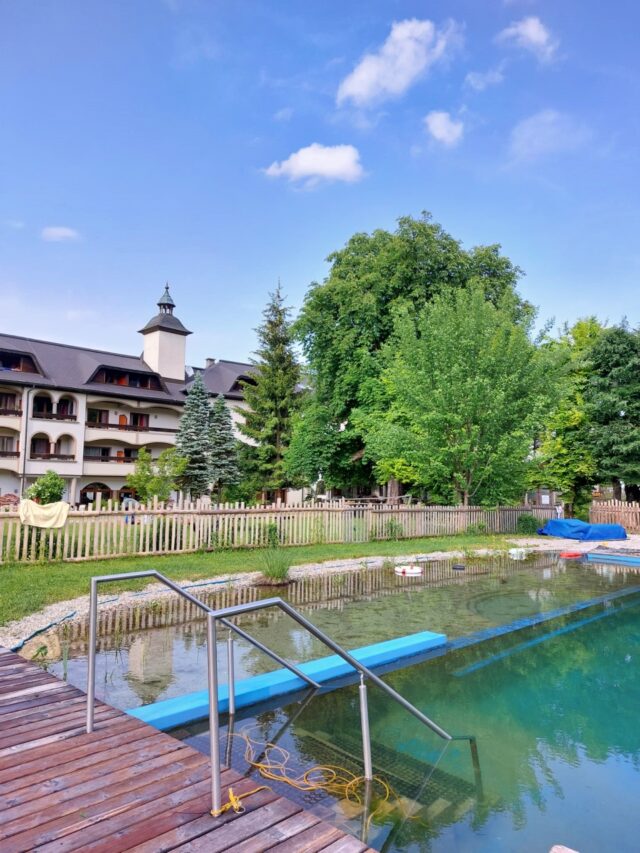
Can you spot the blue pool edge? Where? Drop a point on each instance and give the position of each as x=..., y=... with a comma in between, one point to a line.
x=182, y=710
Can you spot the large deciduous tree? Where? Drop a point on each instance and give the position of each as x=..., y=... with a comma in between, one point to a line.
x=223, y=449
x=612, y=397
x=192, y=439
x=271, y=396
x=462, y=391
x=346, y=320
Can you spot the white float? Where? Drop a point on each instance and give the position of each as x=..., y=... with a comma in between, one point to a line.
x=408, y=569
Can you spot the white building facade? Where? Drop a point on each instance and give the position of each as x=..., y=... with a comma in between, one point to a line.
x=86, y=413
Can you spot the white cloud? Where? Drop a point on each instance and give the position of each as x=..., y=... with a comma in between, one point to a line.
x=443, y=128
x=530, y=34
x=410, y=49
x=59, y=234
x=285, y=114
x=545, y=133
x=317, y=163
x=481, y=80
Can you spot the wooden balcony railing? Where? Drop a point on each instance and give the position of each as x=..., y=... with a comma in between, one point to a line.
x=15, y=412
x=130, y=427
x=9, y=454
x=54, y=416
x=123, y=459
x=61, y=457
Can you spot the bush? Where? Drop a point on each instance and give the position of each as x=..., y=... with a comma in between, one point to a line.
x=47, y=489
x=527, y=524
x=275, y=564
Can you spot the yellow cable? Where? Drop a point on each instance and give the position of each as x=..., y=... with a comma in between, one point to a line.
x=331, y=778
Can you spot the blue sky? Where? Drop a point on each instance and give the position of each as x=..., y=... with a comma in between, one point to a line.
x=221, y=145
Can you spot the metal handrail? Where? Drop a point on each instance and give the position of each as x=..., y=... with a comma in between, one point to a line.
x=224, y=615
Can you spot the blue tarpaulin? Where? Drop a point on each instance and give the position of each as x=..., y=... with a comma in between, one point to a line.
x=572, y=528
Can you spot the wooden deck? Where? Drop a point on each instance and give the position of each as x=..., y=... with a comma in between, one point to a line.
x=126, y=786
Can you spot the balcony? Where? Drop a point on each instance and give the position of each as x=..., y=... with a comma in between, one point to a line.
x=116, y=459
x=54, y=416
x=11, y=413
x=59, y=457
x=130, y=427
x=9, y=454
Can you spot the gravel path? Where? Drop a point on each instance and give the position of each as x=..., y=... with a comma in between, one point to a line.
x=15, y=633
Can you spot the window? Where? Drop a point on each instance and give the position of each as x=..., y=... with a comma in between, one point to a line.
x=42, y=405
x=96, y=452
x=65, y=407
x=8, y=402
x=6, y=444
x=109, y=376
x=18, y=362
x=98, y=416
x=139, y=421
x=40, y=446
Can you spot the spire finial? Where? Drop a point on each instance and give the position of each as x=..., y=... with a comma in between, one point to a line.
x=166, y=303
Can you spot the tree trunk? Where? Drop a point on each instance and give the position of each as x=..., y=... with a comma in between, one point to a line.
x=617, y=489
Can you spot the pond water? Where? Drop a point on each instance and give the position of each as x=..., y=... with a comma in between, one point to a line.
x=154, y=653
x=555, y=712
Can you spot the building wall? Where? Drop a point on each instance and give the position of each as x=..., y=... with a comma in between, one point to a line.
x=165, y=353
x=17, y=474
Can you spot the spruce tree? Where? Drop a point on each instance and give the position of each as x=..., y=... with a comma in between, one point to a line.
x=272, y=395
x=192, y=439
x=223, y=451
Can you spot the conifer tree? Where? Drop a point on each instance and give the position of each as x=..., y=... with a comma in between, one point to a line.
x=223, y=451
x=272, y=395
x=192, y=439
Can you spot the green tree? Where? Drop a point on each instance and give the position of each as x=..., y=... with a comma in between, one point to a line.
x=346, y=320
x=47, y=489
x=612, y=397
x=461, y=395
x=156, y=478
x=564, y=460
x=192, y=439
x=271, y=395
x=223, y=448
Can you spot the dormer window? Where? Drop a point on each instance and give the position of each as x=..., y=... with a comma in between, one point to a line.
x=127, y=379
x=17, y=362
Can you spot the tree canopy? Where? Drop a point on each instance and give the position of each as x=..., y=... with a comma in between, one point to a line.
x=346, y=320
x=156, y=478
x=462, y=391
x=612, y=397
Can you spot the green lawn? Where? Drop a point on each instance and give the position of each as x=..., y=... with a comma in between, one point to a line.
x=25, y=588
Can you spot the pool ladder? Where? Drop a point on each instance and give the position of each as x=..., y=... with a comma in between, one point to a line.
x=223, y=616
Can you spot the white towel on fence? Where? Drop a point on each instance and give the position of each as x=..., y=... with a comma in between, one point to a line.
x=43, y=515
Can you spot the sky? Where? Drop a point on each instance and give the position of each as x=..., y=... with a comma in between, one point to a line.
x=223, y=146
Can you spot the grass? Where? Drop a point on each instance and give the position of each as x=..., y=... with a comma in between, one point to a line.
x=275, y=564
x=27, y=588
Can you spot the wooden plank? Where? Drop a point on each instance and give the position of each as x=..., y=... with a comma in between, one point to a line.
x=317, y=837
x=227, y=837
x=163, y=829
x=276, y=833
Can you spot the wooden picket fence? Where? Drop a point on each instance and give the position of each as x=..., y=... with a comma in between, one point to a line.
x=616, y=512
x=104, y=531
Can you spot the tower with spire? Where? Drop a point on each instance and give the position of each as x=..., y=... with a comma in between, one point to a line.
x=165, y=340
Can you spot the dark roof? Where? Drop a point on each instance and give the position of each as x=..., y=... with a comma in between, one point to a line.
x=166, y=298
x=71, y=368
x=223, y=377
x=166, y=321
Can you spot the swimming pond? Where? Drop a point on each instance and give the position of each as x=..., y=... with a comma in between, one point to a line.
x=554, y=710
x=158, y=652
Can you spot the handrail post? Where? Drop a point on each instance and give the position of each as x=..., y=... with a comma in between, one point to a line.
x=231, y=678
x=364, y=725
x=214, y=724
x=91, y=663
